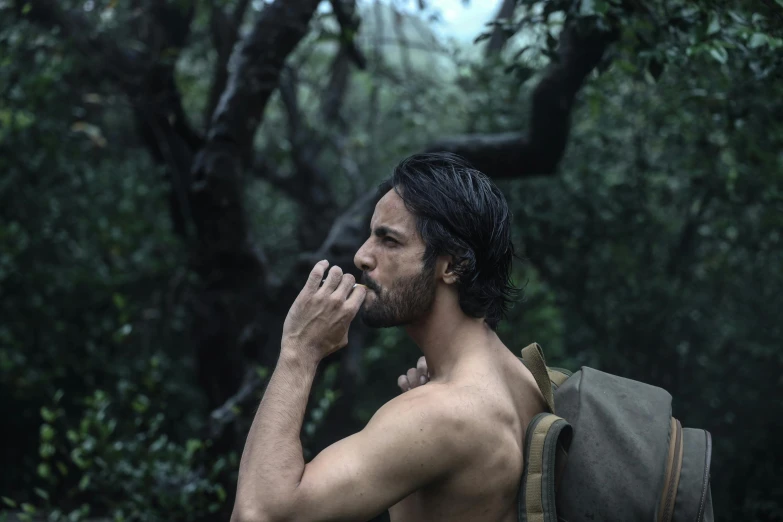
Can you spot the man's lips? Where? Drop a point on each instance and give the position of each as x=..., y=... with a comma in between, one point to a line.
x=371, y=285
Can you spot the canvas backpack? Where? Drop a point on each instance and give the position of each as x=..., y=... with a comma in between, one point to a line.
x=610, y=452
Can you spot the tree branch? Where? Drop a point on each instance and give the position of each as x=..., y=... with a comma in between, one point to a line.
x=344, y=11
x=347, y=233
x=499, y=36
x=231, y=410
x=224, y=28
x=334, y=94
x=260, y=59
x=539, y=150
x=239, y=13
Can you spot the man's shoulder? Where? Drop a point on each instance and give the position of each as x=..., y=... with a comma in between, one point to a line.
x=433, y=408
x=435, y=400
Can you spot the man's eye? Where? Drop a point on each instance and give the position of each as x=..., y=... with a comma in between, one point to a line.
x=389, y=241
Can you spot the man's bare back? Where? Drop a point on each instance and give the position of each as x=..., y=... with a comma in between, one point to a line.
x=497, y=400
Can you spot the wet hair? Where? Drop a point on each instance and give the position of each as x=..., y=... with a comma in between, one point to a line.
x=460, y=212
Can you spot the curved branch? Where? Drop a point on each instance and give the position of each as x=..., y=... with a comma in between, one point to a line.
x=224, y=28
x=232, y=408
x=348, y=232
x=539, y=150
x=260, y=59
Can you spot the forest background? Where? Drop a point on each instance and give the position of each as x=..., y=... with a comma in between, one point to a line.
x=170, y=170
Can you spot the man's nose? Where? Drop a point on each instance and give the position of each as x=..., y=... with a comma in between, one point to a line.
x=363, y=260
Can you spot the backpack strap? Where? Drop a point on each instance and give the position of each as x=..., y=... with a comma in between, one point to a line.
x=558, y=376
x=547, y=440
x=533, y=357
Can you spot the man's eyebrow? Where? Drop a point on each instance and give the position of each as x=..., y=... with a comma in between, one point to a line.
x=386, y=231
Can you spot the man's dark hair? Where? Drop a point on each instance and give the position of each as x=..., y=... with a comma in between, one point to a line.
x=460, y=212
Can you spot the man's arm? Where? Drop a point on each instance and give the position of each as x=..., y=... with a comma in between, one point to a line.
x=272, y=462
x=410, y=442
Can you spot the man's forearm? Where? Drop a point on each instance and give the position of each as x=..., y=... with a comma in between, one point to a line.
x=272, y=462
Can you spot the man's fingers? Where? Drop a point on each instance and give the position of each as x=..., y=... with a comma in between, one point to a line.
x=333, y=279
x=421, y=365
x=355, y=300
x=316, y=275
x=413, y=377
x=345, y=286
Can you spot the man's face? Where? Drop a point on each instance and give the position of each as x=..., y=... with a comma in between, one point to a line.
x=400, y=288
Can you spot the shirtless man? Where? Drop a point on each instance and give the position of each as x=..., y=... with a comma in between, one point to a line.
x=436, y=263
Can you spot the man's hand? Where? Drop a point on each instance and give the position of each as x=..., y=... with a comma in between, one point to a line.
x=318, y=321
x=415, y=376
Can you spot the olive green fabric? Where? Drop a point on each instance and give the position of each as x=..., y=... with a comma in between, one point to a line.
x=546, y=442
x=557, y=377
x=619, y=449
x=694, y=486
x=672, y=473
x=533, y=357
x=617, y=462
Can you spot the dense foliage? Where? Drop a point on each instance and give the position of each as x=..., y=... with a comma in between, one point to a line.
x=653, y=251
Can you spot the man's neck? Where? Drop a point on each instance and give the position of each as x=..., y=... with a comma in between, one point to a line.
x=448, y=338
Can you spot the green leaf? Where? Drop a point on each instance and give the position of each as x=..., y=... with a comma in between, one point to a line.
x=28, y=508
x=46, y=450
x=41, y=493
x=192, y=446
x=119, y=301
x=8, y=502
x=714, y=26
x=84, y=483
x=757, y=40
x=47, y=414
x=720, y=54
x=262, y=372
x=47, y=432
x=43, y=470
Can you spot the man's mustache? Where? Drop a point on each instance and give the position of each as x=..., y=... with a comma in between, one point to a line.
x=369, y=283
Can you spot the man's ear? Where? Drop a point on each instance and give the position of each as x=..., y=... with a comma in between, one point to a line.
x=447, y=268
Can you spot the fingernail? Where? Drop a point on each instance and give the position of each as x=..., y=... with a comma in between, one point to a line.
x=422, y=380
x=323, y=261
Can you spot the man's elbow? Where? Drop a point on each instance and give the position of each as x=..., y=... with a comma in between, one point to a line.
x=260, y=513
x=266, y=511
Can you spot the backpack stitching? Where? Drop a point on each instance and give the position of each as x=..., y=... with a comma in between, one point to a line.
x=705, y=479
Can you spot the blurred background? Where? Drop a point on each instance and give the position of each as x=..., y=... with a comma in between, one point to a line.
x=171, y=169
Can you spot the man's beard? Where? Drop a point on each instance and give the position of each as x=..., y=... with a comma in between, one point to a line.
x=406, y=303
